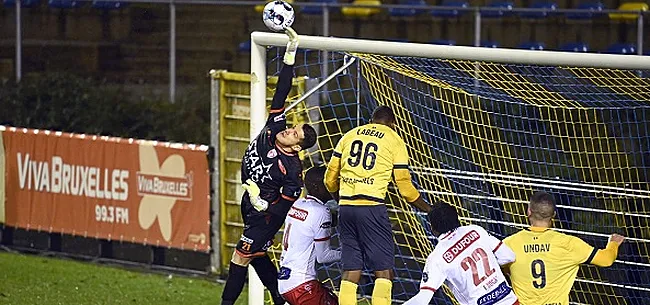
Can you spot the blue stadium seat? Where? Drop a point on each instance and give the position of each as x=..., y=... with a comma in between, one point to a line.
x=505, y=9
x=244, y=47
x=532, y=45
x=621, y=48
x=489, y=44
x=108, y=5
x=407, y=12
x=574, y=47
x=446, y=42
x=548, y=7
x=23, y=3
x=64, y=4
x=451, y=13
x=316, y=10
x=592, y=7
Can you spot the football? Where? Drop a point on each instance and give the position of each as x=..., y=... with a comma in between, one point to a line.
x=278, y=15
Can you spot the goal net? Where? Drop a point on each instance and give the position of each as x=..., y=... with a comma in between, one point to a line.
x=484, y=134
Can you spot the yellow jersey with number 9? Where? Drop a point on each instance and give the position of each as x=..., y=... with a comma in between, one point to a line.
x=546, y=265
x=363, y=164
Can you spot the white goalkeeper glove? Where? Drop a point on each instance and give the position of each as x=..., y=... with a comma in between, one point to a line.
x=292, y=47
x=333, y=205
x=254, y=194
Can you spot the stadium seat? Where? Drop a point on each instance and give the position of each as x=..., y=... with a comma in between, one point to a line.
x=548, y=7
x=504, y=9
x=352, y=11
x=108, y=5
x=592, y=7
x=532, y=45
x=489, y=44
x=574, y=47
x=446, y=42
x=451, y=13
x=244, y=47
x=23, y=3
x=629, y=6
x=260, y=7
x=64, y=4
x=621, y=48
x=407, y=12
x=316, y=10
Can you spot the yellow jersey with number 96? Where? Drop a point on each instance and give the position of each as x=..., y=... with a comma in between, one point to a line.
x=546, y=265
x=364, y=162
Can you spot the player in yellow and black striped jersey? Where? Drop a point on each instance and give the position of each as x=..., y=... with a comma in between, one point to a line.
x=362, y=165
x=547, y=261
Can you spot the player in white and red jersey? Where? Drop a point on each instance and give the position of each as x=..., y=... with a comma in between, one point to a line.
x=467, y=259
x=307, y=241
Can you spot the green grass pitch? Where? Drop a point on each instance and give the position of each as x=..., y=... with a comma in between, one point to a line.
x=30, y=279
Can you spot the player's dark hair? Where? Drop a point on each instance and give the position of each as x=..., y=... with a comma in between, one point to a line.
x=315, y=183
x=542, y=206
x=383, y=115
x=443, y=218
x=310, y=137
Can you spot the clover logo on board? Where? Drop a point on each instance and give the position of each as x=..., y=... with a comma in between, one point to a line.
x=161, y=185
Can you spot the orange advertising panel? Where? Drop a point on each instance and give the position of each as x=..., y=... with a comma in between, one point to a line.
x=110, y=188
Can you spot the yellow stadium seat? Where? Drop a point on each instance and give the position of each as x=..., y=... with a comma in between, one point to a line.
x=351, y=11
x=629, y=6
x=260, y=7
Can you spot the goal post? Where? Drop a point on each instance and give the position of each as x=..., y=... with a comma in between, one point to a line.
x=473, y=119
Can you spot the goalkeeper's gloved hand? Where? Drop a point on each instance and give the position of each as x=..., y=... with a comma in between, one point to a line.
x=292, y=47
x=333, y=205
x=254, y=194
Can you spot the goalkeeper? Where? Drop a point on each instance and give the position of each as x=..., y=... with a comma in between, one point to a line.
x=272, y=176
x=547, y=261
x=360, y=169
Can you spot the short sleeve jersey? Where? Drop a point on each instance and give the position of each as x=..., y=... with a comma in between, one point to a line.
x=464, y=260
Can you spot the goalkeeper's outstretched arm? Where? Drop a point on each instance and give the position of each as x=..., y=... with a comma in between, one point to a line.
x=286, y=74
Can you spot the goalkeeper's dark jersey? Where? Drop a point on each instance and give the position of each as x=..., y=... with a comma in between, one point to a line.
x=278, y=174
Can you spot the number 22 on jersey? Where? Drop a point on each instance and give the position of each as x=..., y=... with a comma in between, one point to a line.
x=470, y=263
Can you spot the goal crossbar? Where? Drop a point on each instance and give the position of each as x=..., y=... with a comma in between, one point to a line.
x=498, y=55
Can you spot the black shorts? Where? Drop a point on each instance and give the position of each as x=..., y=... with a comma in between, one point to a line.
x=259, y=230
x=366, y=236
